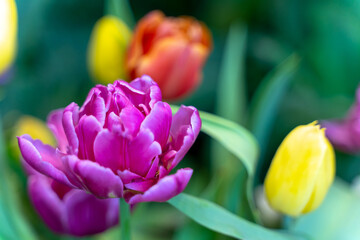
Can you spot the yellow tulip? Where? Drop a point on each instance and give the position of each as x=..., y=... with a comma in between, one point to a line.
x=8, y=30
x=35, y=127
x=301, y=172
x=107, y=48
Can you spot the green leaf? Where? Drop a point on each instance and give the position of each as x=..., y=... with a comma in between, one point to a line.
x=231, y=98
x=236, y=139
x=337, y=218
x=120, y=9
x=231, y=104
x=267, y=99
x=220, y=220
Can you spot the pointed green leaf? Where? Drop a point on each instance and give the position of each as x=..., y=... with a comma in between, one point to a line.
x=231, y=104
x=120, y=9
x=267, y=99
x=231, y=94
x=236, y=139
x=220, y=220
x=232, y=136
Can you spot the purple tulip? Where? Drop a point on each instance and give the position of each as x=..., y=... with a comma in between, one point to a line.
x=345, y=134
x=123, y=142
x=71, y=211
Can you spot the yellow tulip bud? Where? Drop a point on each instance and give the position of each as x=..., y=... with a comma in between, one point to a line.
x=36, y=128
x=8, y=30
x=301, y=172
x=107, y=48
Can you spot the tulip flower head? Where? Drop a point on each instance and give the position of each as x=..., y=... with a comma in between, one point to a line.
x=170, y=50
x=345, y=134
x=122, y=142
x=107, y=48
x=8, y=30
x=301, y=172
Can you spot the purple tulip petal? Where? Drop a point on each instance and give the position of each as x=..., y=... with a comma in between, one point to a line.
x=153, y=169
x=167, y=187
x=142, y=151
x=141, y=91
x=185, y=128
x=159, y=122
x=100, y=91
x=94, y=106
x=87, y=215
x=87, y=130
x=110, y=150
x=100, y=181
x=340, y=136
x=43, y=158
x=54, y=122
x=131, y=119
x=140, y=186
x=163, y=171
x=127, y=176
x=47, y=203
x=69, y=121
x=148, y=86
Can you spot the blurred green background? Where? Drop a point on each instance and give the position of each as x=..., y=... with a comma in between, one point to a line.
x=50, y=70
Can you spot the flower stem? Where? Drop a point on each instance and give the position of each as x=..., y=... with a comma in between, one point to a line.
x=125, y=227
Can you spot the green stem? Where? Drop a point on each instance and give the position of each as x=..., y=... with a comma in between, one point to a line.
x=125, y=216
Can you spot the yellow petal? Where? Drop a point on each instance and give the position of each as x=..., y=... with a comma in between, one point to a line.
x=8, y=30
x=107, y=49
x=301, y=172
x=324, y=179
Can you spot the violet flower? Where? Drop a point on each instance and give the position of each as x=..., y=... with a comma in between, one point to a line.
x=345, y=134
x=71, y=211
x=123, y=142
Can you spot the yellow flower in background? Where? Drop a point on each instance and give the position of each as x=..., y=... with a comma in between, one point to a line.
x=301, y=172
x=107, y=48
x=35, y=127
x=8, y=30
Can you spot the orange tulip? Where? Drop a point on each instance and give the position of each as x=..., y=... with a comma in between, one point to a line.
x=170, y=50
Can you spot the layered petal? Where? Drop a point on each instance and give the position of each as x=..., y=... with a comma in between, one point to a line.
x=54, y=122
x=167, y=188
x=185, y=128
x=142, y=152
x=47, y=203
x=71, y=211
x=87, y=215
x=87, y=130
x=95, y=106
x=110, y=150
x=98, y=180
x=142, y=91
x=159, y=122
x=70, y=120
x=43, y=158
